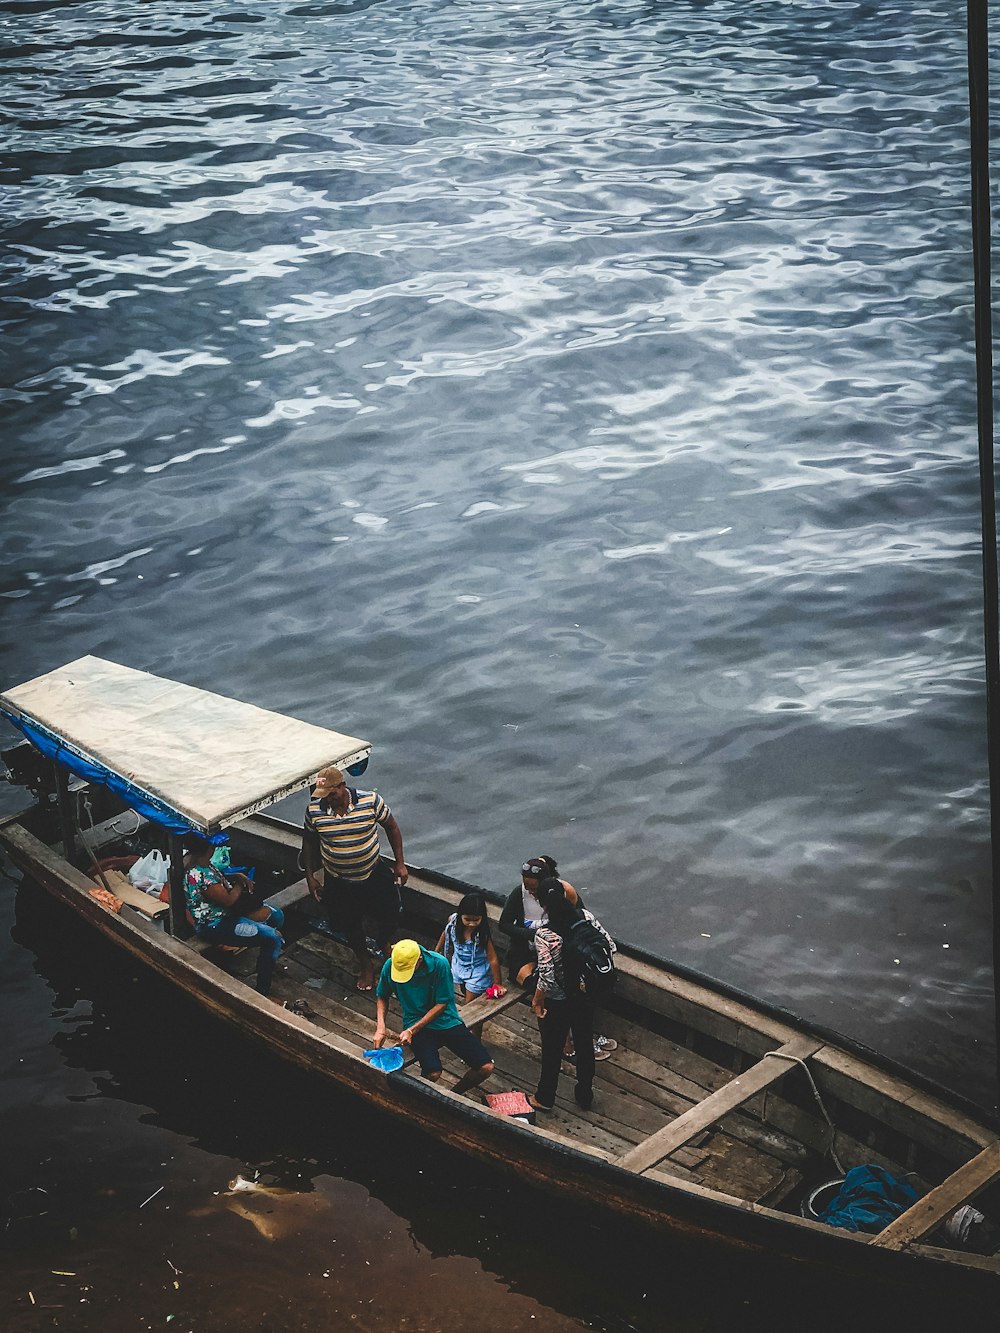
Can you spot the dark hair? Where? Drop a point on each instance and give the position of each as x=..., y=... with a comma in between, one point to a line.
x=545, y=864
x=552, y=896
x=197, y=845
x=474, y=904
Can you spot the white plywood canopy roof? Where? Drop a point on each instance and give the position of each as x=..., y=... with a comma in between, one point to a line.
x=205, y=758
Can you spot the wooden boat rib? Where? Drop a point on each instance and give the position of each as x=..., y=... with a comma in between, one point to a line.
x=714, y=1117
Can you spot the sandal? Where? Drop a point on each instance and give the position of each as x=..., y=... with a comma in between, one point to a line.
x=537, y=1106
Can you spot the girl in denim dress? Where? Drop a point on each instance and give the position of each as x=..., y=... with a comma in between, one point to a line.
x=466, y=941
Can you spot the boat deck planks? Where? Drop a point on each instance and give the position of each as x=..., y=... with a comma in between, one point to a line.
x=735, y=1093
x=630, y=1107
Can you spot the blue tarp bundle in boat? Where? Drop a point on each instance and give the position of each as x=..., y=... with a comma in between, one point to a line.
x=868, y=1200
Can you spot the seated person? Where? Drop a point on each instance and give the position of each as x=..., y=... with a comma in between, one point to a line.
x=213, y=899
x=421, y=980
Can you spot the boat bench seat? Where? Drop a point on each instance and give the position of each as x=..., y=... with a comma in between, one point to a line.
x=481, y=1009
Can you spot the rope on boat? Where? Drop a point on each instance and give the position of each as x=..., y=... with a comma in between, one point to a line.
x=86, y=845
x=780, y=1055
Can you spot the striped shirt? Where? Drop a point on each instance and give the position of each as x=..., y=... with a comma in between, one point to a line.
x=349, y=842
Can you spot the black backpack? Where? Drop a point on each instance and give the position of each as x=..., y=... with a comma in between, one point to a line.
x=588, y=959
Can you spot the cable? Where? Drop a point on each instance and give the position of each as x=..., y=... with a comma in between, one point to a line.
x=128, y=834
x=780, y=1055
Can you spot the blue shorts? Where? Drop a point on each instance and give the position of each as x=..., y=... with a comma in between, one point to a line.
x=465, y=1044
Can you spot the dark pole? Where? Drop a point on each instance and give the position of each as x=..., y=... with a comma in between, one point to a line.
x=979, y=117
x=179, y=927
x=67, y=824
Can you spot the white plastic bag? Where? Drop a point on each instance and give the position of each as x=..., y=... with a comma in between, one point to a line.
x=151, y=872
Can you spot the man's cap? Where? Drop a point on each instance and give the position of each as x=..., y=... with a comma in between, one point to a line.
x=405, y=957
x=535, y=869
x=327, y=779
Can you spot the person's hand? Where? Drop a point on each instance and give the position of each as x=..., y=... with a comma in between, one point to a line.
x=313, y=885
x=379, y=1037
x=406, y=1036
x=400, y=873
x=496, y=992
x=538, y=1008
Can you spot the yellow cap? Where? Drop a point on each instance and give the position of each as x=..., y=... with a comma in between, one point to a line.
x=405, y=957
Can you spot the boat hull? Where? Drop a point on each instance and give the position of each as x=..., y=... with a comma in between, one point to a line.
x=546, y=1160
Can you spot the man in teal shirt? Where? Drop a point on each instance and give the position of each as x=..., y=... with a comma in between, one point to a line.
x=422, y=982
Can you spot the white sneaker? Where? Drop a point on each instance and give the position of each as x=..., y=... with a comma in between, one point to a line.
x=603, y=1046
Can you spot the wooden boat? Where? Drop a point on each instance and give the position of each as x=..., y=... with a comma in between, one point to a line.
x=715, y=1118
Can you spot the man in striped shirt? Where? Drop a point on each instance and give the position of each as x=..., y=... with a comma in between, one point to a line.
x=344, y=871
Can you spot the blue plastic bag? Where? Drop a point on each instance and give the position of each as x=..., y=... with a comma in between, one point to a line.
x=387, y=1059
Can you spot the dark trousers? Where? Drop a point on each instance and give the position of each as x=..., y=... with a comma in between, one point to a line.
x=347, y=902
x=563, y=1016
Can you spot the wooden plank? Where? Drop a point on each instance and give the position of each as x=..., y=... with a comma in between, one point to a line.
x=259, y=826
x=135, y=898
x=17, y=816
x=639, y=1076
x=746, y=1171
x=289, y=897
x=986, y=1263
x=632, y=1107
x=742, y=1172
x=661, y=990
x=481, y=1010
x=891, y=1101
x=930, y=1211
x=728, y=1098
x=330, y=1015
x=340, y=964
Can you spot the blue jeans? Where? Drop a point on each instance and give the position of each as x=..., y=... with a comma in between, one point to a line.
x=241, y=930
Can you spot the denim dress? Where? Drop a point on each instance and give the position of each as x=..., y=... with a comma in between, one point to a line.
x=470, y=966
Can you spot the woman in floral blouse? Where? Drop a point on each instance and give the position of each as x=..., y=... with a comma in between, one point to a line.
x=213, y=898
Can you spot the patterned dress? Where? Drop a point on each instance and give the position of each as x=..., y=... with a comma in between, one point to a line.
x=196, y=881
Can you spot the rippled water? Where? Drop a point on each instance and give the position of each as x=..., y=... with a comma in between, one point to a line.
x=578, y=400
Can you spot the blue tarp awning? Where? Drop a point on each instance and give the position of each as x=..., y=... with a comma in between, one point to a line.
x=182, y=756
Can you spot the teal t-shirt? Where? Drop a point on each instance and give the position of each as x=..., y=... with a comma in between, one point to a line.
x=430, y=985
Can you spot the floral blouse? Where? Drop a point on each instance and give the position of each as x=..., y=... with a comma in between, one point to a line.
x=196, y=881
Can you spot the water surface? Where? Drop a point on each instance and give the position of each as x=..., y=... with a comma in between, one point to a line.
x=575, y=399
